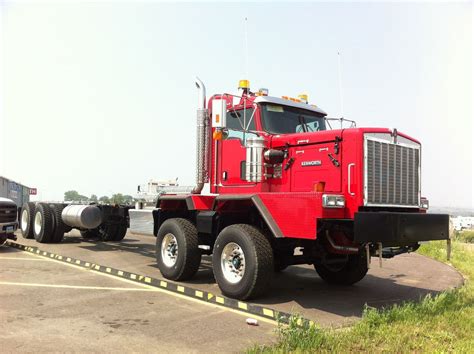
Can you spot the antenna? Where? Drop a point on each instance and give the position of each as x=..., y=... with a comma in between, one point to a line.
x=246, y=50
x=340, y=86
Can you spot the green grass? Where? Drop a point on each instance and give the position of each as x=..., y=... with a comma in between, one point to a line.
x=465, y=236
x=442, y=323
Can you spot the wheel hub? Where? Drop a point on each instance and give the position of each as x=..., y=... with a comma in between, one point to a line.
x=169, y=250
x=24, y=220
x=233, y=262
x=38, y=223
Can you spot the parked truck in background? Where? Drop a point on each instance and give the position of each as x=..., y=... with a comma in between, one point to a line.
x=8, y=220
x=284, y=189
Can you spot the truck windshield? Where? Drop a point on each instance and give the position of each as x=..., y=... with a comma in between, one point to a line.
x=280, y=119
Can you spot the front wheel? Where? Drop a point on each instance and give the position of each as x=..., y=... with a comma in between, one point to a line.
x=242, y=261
x=347, y=273
x=177, y=249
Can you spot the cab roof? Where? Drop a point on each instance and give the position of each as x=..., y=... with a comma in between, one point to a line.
x=281, y=101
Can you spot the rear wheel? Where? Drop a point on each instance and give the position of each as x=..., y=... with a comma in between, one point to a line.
x=345, y=273
x=242, y=261
x=43, y=223
x=59, y=226
x=112, y=232
x=90, y=233
x=177, y=249
x=27, y=220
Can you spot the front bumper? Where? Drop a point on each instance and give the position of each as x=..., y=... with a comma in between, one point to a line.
x=398, y=229
x=8, y=227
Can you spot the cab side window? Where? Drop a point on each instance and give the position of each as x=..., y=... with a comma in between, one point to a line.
x=237, y=120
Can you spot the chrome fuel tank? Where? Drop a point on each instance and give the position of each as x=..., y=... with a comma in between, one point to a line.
x=82, y=216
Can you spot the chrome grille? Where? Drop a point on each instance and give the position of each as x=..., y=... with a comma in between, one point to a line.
x=392, y=175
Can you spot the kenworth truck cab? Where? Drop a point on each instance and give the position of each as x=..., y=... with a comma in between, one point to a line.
x=285, y=189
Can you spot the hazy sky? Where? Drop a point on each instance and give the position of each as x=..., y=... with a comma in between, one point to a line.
x=99, y=97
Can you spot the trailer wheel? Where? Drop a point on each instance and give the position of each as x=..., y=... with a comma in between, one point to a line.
x=242, y=261
x=349, y=273
x=177, y=249
x=59, y=226
x=90, y=233
x=27, y=220
x=112, y=232
x=121, y=232
x=43, y=223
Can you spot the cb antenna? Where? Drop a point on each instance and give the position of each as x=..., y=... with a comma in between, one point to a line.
x=246, y=50
x=340, y=86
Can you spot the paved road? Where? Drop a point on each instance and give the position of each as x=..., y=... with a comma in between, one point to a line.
x=47, y=306
x=149, y=320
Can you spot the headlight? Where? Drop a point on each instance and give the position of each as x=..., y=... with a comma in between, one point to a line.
x=425, y=204
x=333, y=201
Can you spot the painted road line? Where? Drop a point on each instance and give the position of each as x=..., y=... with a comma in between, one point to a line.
x=202, y=296
x=65, y=286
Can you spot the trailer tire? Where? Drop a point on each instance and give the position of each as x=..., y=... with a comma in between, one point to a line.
x=177, y=249
x=59, y=225
x=120, y=233
x=87, y=234
x=353, y=270
x=27, y=218
x=249, y=249
x=43, y=223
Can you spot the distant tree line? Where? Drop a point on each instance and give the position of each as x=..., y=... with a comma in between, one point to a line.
x=118, y=198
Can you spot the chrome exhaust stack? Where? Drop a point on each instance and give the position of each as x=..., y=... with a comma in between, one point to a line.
x=202, y=139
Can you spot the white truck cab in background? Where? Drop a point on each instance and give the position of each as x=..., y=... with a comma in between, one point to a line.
x=8, y=220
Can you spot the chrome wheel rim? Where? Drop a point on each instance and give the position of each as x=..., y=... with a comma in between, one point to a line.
x=38, y=223
x=233, y=262
x=24, y=220
x=169, y=250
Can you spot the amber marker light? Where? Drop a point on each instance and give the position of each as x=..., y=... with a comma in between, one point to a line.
x=319, y=187
x=217, y=135
x=244, y=84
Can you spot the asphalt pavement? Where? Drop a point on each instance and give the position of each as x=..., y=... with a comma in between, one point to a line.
x=50, y=306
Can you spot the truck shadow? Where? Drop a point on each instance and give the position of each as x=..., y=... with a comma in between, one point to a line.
x=298, y=289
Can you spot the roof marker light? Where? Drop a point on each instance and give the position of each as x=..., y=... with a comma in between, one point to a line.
x=303, y=97
x=262, y=92
x=244, y=84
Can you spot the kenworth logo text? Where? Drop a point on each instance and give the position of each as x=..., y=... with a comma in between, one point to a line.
x=311, y=163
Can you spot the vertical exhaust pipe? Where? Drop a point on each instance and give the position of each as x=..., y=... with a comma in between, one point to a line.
x=202, y=139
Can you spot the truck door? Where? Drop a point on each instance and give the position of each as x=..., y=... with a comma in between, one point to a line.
x=239, y=124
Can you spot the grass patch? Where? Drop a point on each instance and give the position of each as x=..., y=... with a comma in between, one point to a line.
x=436, y=324
x=465, y=236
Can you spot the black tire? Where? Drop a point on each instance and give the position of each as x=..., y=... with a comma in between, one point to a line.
x=188, y=257
x=45, y=231
x=87, y=234
x=258, y=263
x=120, y=233
x=349, y=273
x=26, y=223
x=59, y=225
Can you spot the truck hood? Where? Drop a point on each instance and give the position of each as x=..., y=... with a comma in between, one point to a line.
x=326, y=136
x=6, y=201
x=304, y=138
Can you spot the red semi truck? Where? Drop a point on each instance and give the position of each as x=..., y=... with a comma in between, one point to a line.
x=281, y=180
x=284, y=188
